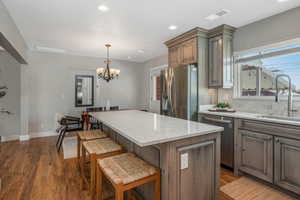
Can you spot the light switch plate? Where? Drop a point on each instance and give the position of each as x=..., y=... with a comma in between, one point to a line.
x=184, y=158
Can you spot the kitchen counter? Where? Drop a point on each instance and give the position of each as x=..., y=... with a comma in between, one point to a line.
x=188, y=153
x=252, y=116
x=144, y=128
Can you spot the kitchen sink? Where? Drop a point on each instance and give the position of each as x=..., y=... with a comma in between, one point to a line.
x=281, y=118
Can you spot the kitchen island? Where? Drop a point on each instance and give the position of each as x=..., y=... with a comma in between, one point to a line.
x=188, y=153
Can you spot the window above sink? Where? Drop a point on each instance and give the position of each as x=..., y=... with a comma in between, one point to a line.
x=256, y=71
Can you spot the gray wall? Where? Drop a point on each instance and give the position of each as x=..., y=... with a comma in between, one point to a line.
x=10, y=76
x=52, y=87
x=11, y=32
x=278, y=28
x=281, y=27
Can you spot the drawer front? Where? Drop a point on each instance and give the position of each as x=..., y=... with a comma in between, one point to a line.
x=276, y=129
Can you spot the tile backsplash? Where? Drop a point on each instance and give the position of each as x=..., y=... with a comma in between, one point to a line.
x=268, y=107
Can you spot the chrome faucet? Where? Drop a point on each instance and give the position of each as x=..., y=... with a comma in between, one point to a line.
x=290, y=96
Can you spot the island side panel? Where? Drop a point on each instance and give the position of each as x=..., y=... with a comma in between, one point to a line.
x=200, y=180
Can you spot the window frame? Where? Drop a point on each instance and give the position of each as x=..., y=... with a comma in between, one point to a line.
x=237, y=69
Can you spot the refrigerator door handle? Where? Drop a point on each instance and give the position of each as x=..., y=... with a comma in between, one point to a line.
x=171, y=83
x=168, y=88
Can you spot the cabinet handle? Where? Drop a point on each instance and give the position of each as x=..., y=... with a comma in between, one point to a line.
x=277, y=140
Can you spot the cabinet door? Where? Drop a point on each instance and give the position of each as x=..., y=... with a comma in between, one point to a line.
x=256, y=154
x=189, y=52
x=287, y=164
x=215, y=78
x=174, y=56
x=227, y=62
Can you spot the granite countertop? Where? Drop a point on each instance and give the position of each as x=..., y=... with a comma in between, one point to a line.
x=144, y=128
x=252, y=116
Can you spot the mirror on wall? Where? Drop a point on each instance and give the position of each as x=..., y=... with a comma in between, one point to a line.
x=84, y=90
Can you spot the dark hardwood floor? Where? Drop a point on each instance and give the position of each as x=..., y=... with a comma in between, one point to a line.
x=34, y=170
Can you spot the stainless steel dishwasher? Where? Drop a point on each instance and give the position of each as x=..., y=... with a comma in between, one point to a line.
x=227, y=138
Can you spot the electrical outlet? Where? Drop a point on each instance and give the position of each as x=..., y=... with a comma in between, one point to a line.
x=184, y=159
x=269, y=107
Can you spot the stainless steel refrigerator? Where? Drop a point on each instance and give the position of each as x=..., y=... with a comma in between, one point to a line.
x=179, y=92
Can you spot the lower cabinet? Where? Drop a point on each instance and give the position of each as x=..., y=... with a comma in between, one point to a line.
x=287, y=164
x=256, y=154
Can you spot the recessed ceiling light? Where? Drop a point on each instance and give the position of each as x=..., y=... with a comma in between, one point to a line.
x=103, y=8
x=141, y=51
x=129, y=57
x=282, y=1
x=172, y=27
x=212, y=17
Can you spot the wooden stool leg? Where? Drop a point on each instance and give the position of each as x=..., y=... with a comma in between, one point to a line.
x=82, y=163
x=119, y=194
x=93, y=160
x=130, y=196
x=157, y=188
x=99, y=183
x=78, y=150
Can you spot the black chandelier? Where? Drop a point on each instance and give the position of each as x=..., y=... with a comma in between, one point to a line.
x=107, y=73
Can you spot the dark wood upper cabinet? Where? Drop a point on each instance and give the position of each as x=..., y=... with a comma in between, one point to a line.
x=183, y=49
x=220, y=68
x=174, y=56
x=188, y=52
x=215, y=66
x=184, y=53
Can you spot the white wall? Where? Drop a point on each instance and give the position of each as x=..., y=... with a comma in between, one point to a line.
x=11, y=32
x=52, y=86
x=10, y=76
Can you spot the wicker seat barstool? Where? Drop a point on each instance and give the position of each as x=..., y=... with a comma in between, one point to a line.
x=125, y=172
x=83, y=136
x=93, y=150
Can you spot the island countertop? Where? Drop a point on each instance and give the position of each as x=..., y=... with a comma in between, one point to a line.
x=145, y=129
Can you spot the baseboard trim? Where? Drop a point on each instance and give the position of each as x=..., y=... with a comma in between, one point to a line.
x=43, y=134
x=9, y=138
x=28, y=137
x=24, y=137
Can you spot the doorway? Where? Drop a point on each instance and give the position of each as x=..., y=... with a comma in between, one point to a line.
x=154, y=101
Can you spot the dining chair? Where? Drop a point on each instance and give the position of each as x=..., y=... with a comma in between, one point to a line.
x=67, y=124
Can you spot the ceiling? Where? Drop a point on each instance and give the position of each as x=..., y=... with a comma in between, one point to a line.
x=78, y=27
